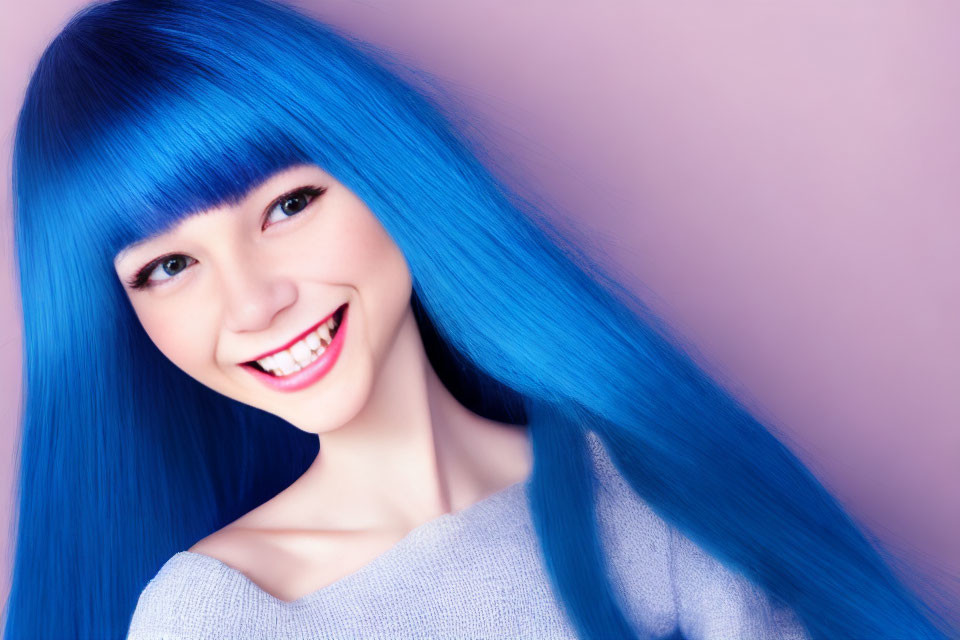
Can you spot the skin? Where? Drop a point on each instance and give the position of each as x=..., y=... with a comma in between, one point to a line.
x=396, y=448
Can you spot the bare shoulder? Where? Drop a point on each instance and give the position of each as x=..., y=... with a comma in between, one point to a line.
x=291, y=563
x=289, y=556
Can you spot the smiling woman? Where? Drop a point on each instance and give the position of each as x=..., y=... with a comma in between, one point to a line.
x=267, y=282
x=327, y=387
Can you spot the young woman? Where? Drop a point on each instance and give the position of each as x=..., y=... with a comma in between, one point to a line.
x=298, y=365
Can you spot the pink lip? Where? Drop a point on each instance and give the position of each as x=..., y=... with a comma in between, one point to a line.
x=313, y=371
x=296, y=339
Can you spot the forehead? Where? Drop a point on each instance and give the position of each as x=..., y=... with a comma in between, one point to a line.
x=259, y=194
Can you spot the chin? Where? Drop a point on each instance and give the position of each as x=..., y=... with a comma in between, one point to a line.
x=315, y=413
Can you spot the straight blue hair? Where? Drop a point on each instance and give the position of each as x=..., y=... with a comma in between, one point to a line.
x=142, y=112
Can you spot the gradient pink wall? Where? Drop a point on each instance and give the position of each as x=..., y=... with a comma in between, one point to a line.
x=780, y=177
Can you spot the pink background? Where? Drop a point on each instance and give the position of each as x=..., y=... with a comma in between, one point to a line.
x=782, y=177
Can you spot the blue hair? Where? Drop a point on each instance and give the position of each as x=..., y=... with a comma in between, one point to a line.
x=142, y=112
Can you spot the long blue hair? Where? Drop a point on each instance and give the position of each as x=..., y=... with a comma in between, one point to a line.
x=142, y=112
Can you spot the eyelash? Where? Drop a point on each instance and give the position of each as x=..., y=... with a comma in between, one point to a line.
x=141, y=279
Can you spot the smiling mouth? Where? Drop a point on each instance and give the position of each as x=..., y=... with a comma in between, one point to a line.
x=304, y=350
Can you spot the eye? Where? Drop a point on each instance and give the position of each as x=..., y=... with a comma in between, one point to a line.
x=290, y=204
x=170, y=265
x=287, y=205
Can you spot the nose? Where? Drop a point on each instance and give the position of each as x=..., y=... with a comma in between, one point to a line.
x=254, y=295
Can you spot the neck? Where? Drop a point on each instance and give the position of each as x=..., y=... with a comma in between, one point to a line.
x=413, y=452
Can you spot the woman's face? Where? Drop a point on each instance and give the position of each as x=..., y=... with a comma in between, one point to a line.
x=235, y=283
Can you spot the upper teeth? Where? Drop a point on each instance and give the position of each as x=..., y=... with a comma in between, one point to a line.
x=302, y=352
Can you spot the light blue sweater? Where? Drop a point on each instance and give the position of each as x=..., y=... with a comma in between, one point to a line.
x=474, y=574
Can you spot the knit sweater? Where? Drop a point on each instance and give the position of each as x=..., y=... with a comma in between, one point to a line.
x=476, y=573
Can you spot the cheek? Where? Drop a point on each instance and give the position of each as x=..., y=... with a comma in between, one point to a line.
x=184, y=339
x=350, y=247
x=365, y=258
x=379, y=263
x=371, y=251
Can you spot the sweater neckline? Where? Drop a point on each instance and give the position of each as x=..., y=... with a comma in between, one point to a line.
x=446, y=521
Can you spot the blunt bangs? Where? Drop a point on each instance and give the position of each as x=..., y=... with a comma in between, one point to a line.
x=172, y=117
